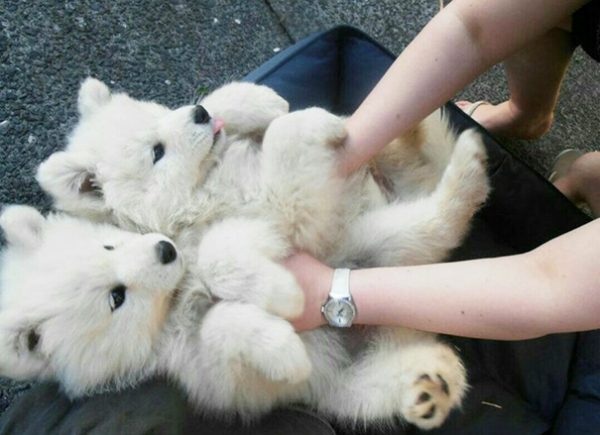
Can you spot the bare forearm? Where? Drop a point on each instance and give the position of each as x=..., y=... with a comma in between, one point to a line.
x=555, y=288
x=460, y=43
x=488, y=298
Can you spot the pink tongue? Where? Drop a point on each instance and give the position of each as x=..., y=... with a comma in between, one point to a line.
x=217, y=125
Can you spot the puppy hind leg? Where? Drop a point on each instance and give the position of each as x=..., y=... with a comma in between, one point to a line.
x=413, y=163
x=426, y=229
x=404, y=373
x=462, y=190
x=464, y=184
x=399, y=234
x=439, y=140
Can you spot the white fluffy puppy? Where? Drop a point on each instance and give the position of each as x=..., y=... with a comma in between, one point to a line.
x=236, y=209
x=81, y=302
x=99, y=308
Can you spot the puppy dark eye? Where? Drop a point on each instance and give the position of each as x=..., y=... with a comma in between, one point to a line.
x=158, y=152
x=109, y=247
x=117, y=297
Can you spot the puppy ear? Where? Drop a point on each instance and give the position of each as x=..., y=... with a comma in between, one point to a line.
x=93, y=94
x=20, y=340
x=22, y=225
x=70, y=182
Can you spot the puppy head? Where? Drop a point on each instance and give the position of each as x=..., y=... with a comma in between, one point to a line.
x=136, y=162
x=80, y=302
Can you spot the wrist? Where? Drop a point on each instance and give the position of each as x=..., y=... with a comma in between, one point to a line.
x=323, y=287
x=339, y=309
x=350, y=155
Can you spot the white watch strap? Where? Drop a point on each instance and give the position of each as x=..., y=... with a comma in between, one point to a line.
x=340, y=284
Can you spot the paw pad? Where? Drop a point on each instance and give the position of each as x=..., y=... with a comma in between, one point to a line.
x=442, y=382
x=429, y=414
x=434, y=392
x=424, y=397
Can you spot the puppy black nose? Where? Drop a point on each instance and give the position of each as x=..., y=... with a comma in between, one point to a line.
x=201, y=116
x=166, y=252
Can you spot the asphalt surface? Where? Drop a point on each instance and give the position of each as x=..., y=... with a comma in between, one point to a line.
x=172, y=51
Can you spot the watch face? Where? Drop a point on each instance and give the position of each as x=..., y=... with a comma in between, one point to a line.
x=339, y=312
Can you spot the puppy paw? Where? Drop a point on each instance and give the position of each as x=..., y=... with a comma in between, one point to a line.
x=259, y=281
x=246, y=108
x=238, y=260
x=467, y=168
x=469, y=146
x=281, y=294
x=436, y=390
x=280, y=356
x=430, y=401
x=244, y=341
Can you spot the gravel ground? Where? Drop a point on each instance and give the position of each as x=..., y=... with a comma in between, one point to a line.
x=9, y=390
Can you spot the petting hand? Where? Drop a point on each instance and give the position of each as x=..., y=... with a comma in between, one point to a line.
x=314, y=278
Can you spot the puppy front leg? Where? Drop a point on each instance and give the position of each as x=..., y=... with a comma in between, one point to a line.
x=238, y=260
x=246, y=108
x=301, y=190
x=243, y=360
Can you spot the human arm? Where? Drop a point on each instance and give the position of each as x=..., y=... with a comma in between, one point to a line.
x=554, y=288
x=457, y=45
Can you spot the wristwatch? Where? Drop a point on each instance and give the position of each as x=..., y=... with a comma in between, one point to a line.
x=339, y=309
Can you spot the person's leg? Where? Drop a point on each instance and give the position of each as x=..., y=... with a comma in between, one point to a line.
x=534, y=77
x=581, y=183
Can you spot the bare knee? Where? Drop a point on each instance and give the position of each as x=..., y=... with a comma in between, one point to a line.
x=584, y=176
x=587, y=167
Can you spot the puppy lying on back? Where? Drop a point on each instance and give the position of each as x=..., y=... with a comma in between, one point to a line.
x=98, y=308
x=237, y=205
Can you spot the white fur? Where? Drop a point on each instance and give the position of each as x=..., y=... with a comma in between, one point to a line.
x=58, y=289
x=235, y=210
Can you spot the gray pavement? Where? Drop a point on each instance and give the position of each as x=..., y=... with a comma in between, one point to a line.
x=171, y=51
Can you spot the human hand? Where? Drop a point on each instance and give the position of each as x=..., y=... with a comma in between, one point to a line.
x=314, y=278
